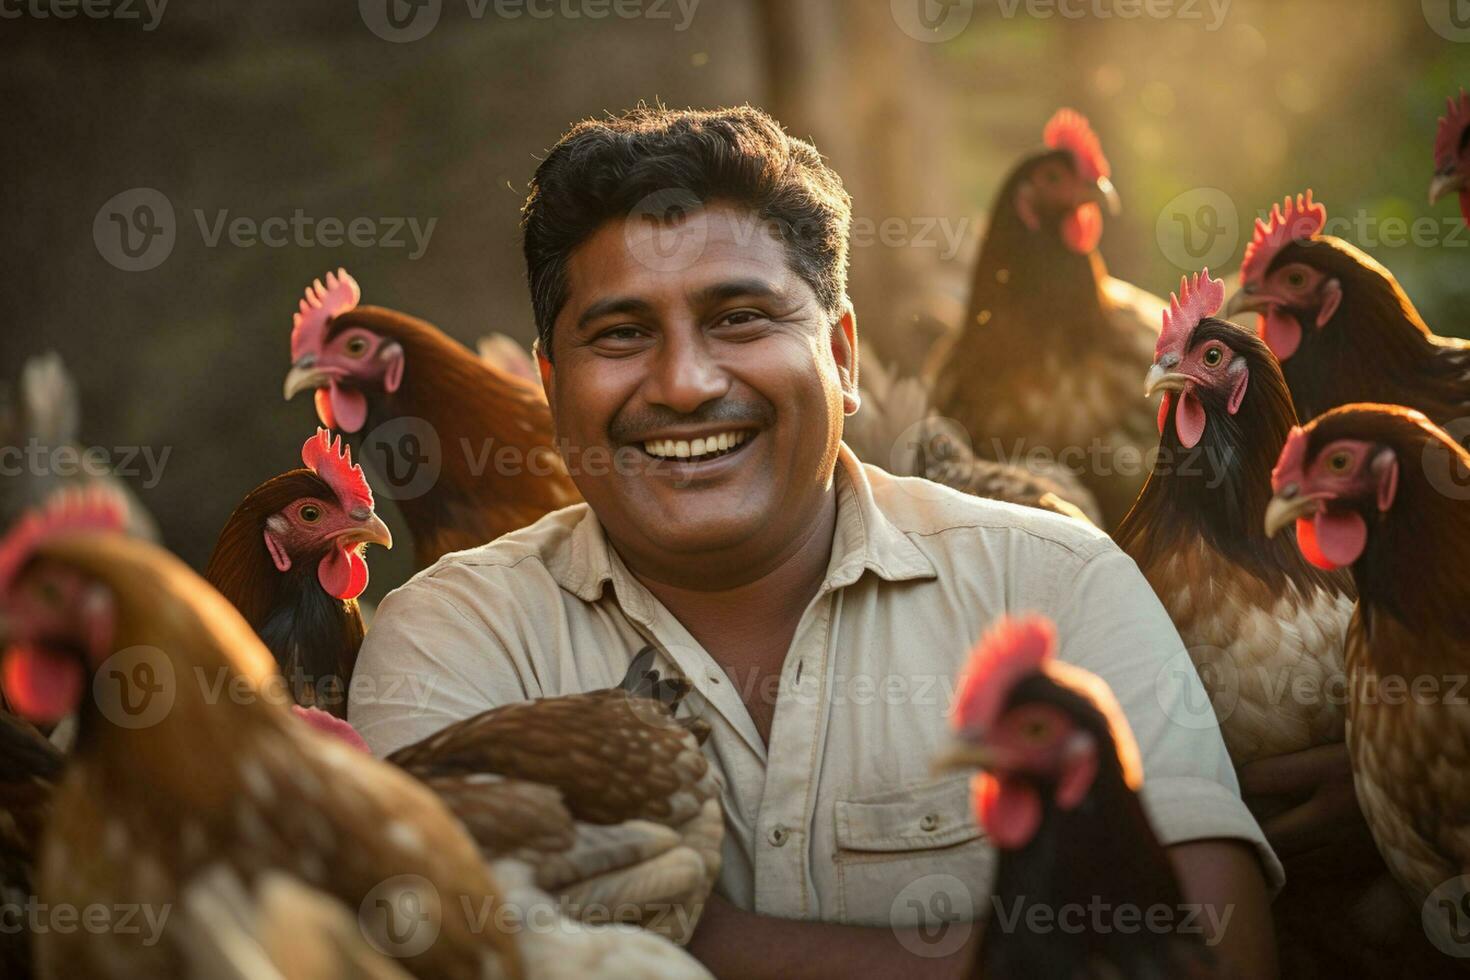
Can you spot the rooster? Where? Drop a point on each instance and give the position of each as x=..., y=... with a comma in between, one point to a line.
x=896, y=430
x=1051, y=349
x=1381, y=489
x=1452, y=154
x=1254, y=615
x=1342, y=327
x=29, y=769
x=605, y=795
x=291, y=560
x=172, y=784
x=488, y=431
x=1057, y=793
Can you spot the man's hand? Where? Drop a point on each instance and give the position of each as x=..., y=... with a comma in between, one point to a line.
x=734, y=943
x=1309, y=810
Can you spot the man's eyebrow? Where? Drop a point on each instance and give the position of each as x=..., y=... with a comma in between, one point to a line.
x=614, y=306
x=732, y=289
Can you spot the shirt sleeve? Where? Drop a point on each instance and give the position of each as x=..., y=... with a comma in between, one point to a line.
x=424, y=664
x=1110, y=621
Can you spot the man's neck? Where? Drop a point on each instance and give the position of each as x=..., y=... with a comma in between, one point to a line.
x=747, y=626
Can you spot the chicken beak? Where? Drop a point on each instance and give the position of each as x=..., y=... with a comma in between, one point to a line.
x=1287, y=507
x=1248, y=300
x=1160, y=378
x=304, y=375
x=372, y=530
x=962, y=755
x=1107, y=195
x=1443, y=185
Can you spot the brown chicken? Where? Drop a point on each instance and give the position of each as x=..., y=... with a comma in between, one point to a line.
x=29, y=769
x=1051, y=348
x=1342, y=327
x=291, y=560
x=1261, y=624
x=174, y=778
x=605, y=795
x=896, y=429
x=1057, y=793
x=1452, y=155
x=1382, y=490
x=463, y=447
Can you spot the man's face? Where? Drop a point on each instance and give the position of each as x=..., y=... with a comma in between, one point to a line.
x=717, y=340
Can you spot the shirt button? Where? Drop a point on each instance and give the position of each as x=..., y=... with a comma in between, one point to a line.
x=930, y=821
x=777, y=836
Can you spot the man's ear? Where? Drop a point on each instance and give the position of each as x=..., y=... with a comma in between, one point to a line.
x=543, y=367
x=844, y=341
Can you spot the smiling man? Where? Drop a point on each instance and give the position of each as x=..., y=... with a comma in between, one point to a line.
x=688, y=275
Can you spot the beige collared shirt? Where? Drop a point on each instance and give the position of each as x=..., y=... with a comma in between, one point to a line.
x=839, y=818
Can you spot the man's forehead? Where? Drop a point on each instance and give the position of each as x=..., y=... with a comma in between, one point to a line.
x=678, y=258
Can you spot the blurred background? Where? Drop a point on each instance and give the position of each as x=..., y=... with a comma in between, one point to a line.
x=418, y=126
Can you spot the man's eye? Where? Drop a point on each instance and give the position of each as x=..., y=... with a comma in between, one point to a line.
x=620, y=333
x=740, y=318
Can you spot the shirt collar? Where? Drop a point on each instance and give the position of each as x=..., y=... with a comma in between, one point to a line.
x=864, y=540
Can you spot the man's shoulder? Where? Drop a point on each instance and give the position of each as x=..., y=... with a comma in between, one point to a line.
x=529, y=554
x=929, y=512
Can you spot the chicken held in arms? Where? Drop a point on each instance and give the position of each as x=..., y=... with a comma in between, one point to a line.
x=29, y=769
x=1342, y=327
x=1381, y=490
x=1255, y=616
x=1051, y=348
x=1056, y=790
x=1452, y=155
x=291, y=559
x=471, y=456
x=605, y=796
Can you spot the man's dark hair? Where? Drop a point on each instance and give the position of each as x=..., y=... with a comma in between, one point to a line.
x=604, y=169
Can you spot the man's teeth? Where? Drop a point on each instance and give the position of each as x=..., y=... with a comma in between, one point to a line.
x=694, y=448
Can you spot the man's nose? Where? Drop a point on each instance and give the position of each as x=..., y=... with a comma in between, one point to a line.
x=686, y=375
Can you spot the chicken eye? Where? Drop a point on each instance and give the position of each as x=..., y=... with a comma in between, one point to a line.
x=1035, y=731
x=1297, y=279
x=310, y=513
x=1339, y=462
x=356, y=347
x=1213, y=357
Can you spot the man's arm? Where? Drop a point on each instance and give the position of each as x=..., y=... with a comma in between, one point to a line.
x=1224, y=877
x=734, y=943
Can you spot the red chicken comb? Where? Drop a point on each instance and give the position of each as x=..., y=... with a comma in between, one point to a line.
x=1451, y=128
x=1291, y=467
x=1069, y=130
x=1011, y=650
x=318, y=306
x=1195, y=300
x=94, y=508
x=1302, y=218
x=331, y=459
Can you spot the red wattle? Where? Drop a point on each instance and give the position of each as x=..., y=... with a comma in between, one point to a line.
x=1165, y=404
x=343, y=573
x=1189, y=419
x=349, y=406
x=1281, y=332
x=1341, y=538
x=1009, y=810
x=42, y=686
x=324, y=408
x=1082, y=229
x=1306, y=542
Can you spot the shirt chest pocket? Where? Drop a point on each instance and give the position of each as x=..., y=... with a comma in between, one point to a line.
x=911, y=856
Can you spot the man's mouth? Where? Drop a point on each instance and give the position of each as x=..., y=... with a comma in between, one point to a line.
x=698, y=450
